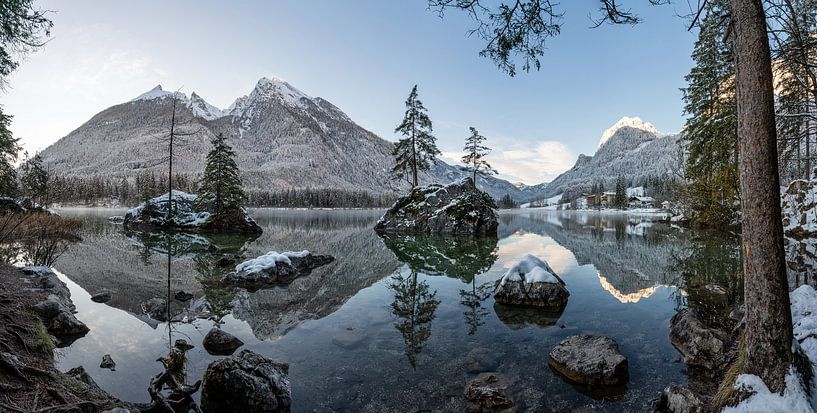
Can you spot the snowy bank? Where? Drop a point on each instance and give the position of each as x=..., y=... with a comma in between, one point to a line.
x=799, y=204
x=795, y=398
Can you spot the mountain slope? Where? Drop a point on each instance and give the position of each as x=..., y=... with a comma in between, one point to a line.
x=284, y=139
x=632, y=149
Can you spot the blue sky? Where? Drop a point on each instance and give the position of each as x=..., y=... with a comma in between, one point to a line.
x=363, y=56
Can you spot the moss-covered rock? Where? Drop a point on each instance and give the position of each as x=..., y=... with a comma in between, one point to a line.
x=454, y=209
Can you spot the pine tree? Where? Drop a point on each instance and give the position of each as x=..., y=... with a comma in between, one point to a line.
x=413, y=152
x=711, y=128
x=220, y=189
x=621, y=193
x=475, y=153
x=8, y=155
x=35, y=180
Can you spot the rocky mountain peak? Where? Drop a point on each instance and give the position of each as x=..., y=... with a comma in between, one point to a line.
x=627, y=121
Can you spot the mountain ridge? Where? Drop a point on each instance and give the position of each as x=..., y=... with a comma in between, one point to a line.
x=284, y=139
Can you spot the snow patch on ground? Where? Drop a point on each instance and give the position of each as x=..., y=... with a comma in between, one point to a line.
x=795, y=398
x=269, y=260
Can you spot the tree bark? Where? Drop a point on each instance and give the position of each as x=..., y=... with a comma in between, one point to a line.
x=768, y=335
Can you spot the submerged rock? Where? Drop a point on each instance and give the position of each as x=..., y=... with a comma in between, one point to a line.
x=246, y=382
x=187, y=215
x=532, y=282
x=155, y=308
x=226, y=260
x=700, y=346
x=678, y=399
x=107, y=363
x=481, y=360
x=454, y=209
x=102, y=297
x=183, y=296
x=592, y=360
x=274, y=268
x=490, y=391
x=220, y=342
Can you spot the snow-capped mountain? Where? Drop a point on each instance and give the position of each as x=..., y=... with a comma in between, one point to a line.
x=632, y=122
x=284, y=139
x=631, y=148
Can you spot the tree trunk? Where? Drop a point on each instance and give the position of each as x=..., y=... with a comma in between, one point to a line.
x=768, y=335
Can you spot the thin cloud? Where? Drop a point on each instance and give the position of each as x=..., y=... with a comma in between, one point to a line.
x=540, y=164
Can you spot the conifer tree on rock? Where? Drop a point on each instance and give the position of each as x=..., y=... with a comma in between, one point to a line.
x=220, y=189
x=413, y=152
x=475, y=153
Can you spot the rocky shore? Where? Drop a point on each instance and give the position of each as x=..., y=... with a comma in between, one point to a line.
x=37, y=315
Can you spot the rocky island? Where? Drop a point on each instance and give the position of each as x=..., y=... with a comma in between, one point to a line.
x=183, y=212
x=458, y=208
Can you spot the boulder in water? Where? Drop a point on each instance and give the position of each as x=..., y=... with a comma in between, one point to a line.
x=591, y=360
x=246, y=382
x=220, y=342
x=107, y=363
x=699, y=345
x=274, y=268
x=490, y=391
x=102, y=297
x=454, y=209
x=155, y=308
x=531, y=282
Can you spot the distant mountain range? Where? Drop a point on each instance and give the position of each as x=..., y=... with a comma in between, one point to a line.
x=632, y=149
x=286, y=139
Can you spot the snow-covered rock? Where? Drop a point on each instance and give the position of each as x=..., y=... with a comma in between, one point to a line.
x=531, y=282
x=186, y=216
x=453, y=209
x=799, y=204
x=591, y=360
x=274, y=268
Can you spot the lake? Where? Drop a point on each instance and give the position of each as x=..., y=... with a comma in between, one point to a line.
x=393, y=323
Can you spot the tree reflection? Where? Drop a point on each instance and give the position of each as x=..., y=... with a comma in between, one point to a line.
x=219, y=298
x=473, y=299
x=458, y=257
x=415, y=305
x=711, y=273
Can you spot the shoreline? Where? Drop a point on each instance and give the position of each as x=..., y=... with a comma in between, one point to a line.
x=28, y=375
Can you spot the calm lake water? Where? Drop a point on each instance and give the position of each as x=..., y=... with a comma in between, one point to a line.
x=389, y=325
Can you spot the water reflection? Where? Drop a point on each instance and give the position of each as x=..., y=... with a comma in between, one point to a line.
x=402, y=312
x=458, y=257
x=414, y=303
